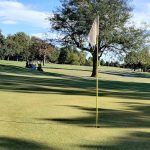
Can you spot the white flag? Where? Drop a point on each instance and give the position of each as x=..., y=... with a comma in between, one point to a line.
x=94, y=32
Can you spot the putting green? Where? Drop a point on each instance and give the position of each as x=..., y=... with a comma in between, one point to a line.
x=55, y=110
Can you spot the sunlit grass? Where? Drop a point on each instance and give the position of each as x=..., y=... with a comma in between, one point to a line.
x=56, y=109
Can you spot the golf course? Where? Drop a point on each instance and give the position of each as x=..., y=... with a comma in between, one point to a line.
x=55, y=109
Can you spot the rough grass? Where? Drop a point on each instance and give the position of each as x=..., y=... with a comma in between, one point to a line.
x=55, y=110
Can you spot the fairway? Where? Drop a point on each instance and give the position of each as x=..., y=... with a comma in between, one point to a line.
x=55, y=110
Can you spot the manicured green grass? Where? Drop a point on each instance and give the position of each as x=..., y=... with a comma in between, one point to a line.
x=55, y=110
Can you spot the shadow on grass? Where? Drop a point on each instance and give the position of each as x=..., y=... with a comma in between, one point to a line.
x=67, y=85
x=127, y=74
x=25, y=71
x=9, y=143
x=118, y=73
x=109, y=118
x=135, y=141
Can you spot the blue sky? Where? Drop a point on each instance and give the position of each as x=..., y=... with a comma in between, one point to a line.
x=26, y=15
x=29, y=15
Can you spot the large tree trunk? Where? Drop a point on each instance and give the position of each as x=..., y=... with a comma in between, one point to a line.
x=94, y=64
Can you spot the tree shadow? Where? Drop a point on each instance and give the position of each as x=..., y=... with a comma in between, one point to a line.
x=9, y=143
x=127, y=74
x=26, y=71
x=37, y=85
x=138, y=117
x=126, y=90
x=134, y=141
x=67, y=85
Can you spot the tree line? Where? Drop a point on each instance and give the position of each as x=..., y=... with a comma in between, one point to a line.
x=22, y=47
x=138, y=60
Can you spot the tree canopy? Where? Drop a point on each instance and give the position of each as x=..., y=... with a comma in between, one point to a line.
x=138, y=59
x=21, y=46
x=74, y=18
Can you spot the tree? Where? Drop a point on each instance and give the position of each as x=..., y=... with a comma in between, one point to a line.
x=132, y=59
x=70, y=55
x=82, y=58
x=107, y=63
x=10, y=46
x=74, y=58
x=63, y=56
x=89, y=61
x=3, y=51
x=102, y=62
x=22, y=44
x=40, y=49
x=116, y=64
x=138, y=59
x=144, y=57
x=54, y=55
x=74, y=19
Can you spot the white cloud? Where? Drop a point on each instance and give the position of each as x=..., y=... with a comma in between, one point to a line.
x=17, y=12
x=8, y=22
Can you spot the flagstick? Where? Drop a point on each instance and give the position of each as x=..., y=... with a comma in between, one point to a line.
x=94, y=41
x=97, y=85
x=97, y=47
